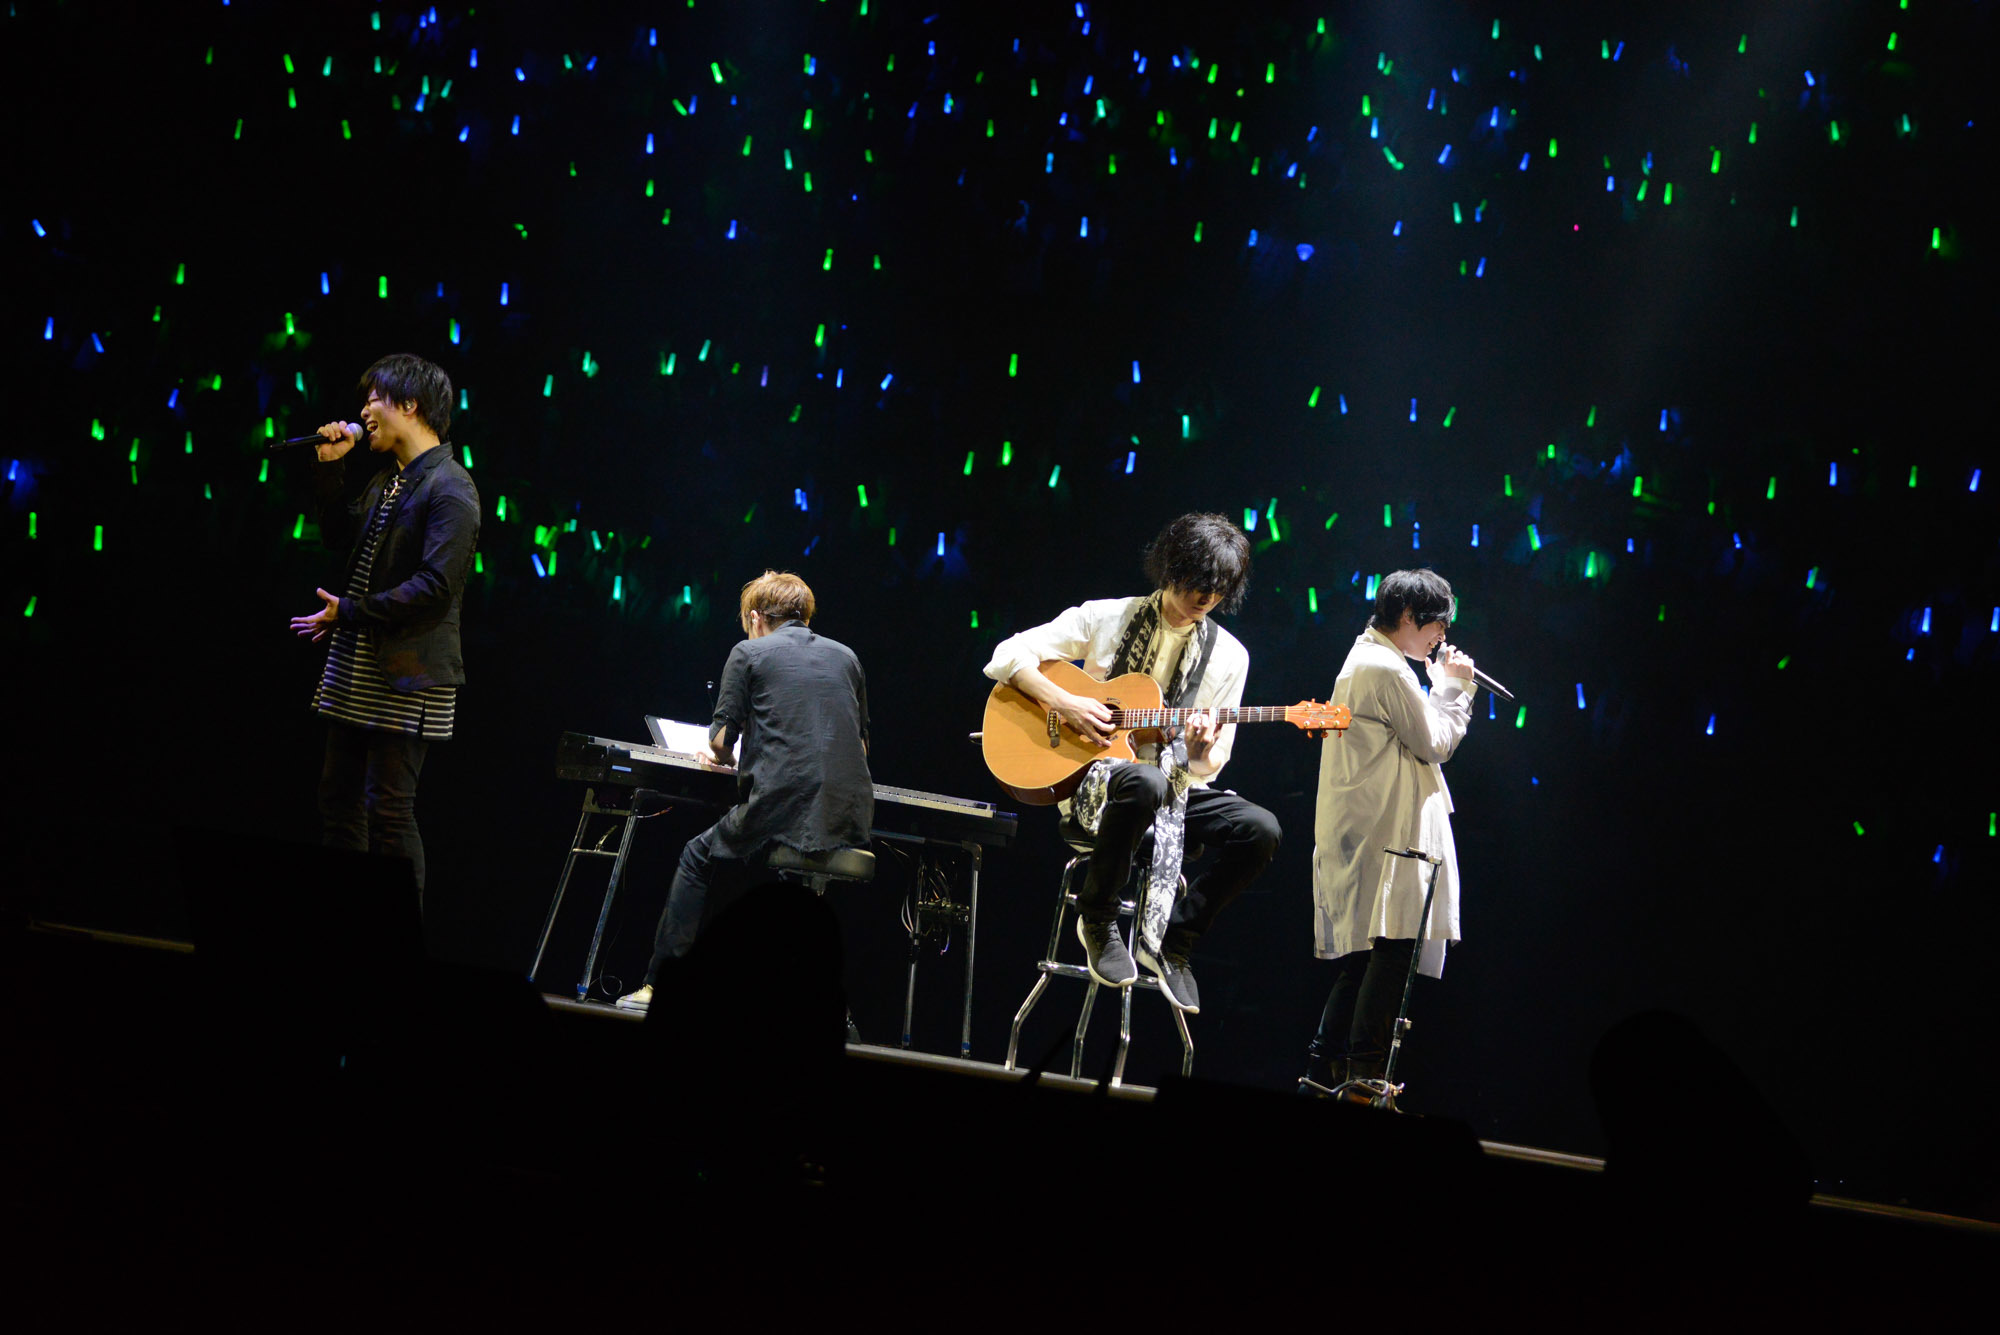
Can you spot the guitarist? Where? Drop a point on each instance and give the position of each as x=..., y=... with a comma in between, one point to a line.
x=1199, y=564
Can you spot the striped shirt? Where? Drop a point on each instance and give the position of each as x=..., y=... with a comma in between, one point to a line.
x=353, y=689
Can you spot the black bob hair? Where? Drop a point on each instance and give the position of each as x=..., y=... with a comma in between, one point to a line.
x=401, y=378
x=1423, y=593
x=1202, y=553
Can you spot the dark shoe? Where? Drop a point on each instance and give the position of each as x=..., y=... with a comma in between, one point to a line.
x=1110, y=963
x=1176, y=982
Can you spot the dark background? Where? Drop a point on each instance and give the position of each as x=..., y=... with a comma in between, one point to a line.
x=1638, y=403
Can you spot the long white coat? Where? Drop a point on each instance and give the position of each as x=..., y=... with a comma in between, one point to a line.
x=1381, y=786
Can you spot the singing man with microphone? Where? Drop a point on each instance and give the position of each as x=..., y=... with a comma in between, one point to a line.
x=393, y=667
x=1381, y=786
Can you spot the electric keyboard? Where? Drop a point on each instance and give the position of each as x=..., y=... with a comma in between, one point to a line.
x=900, y=813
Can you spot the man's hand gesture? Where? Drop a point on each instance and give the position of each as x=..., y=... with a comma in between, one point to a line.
x=316, y=626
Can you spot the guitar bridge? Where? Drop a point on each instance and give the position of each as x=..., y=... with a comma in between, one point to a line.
x=1055, y=730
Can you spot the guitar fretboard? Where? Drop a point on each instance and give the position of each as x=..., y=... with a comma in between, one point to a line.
x=1168, y=718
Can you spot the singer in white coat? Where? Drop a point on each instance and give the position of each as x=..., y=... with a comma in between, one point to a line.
x=1382, y=786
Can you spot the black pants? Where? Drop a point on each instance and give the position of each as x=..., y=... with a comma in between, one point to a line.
x=1243, y=835
x=705, y=883
x=1361, y=1009
x=368, y=793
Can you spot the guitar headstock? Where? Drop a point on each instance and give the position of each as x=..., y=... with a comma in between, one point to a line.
x=1318, y=719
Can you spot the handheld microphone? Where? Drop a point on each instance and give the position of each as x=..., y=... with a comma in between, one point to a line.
x=360, y=437
x=1489, y=683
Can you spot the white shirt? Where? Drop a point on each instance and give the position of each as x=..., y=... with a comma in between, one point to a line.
x=1381, y=787
x=1091, y=632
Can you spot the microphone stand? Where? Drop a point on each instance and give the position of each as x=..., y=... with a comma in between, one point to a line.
x=1381, y=1092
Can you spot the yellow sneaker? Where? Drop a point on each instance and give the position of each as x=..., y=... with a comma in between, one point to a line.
x=637, y=1001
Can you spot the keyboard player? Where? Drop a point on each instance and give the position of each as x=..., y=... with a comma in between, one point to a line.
x=798, y=703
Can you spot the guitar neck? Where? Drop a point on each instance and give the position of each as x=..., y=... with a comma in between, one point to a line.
x=1171, y=718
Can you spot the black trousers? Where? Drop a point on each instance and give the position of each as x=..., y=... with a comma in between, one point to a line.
x=1360, y=1012
x=1243, y=835
x=705, y=883
x=368, y=793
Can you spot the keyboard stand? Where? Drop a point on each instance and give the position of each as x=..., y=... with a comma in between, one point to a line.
x=966, y=915
x=578, y=848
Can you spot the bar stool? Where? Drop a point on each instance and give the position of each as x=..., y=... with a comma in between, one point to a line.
x=820, y=870
x=1050, y=966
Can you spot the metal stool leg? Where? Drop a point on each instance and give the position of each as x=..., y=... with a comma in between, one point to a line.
x=1021, y=1016
x=1082, y=1027
x=1041, y=984
x=1124, y=1035
x=1187, y=1042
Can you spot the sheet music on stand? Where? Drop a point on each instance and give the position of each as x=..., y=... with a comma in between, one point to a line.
x=688, y=739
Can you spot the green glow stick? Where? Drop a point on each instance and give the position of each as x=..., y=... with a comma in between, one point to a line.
x=1534, y=539
x=1637, y=484
x=1013, y=364
x=1312, y=601
x=1312, y=401
x=1521, y=717
x=1054, y=474
x=1006, y=453
x=861, y=491
x=968, y=463
x=97, y=543
x=30, y=609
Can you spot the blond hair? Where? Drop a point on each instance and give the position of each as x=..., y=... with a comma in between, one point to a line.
x=777, y=595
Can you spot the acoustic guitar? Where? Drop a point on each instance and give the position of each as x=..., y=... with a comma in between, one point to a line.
x=1041, y=762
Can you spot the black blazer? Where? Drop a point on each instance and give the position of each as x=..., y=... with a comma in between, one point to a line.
x=418, y=579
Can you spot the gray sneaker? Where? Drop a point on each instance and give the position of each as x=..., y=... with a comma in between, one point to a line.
x=1110, y=964
x=1176, y=981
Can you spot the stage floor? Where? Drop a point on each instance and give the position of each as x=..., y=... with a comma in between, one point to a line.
x=1498, y=1149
